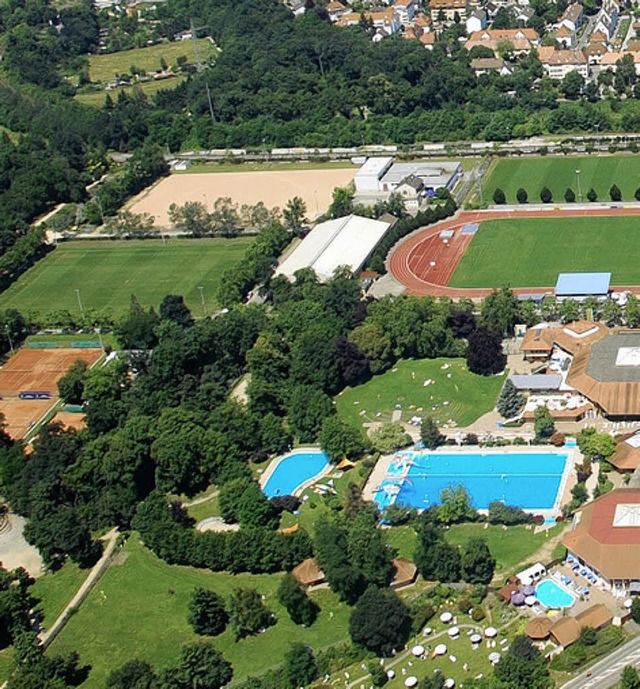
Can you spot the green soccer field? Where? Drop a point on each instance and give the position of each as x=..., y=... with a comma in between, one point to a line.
x=599, y=172
x=531, y=252
x=107, y=274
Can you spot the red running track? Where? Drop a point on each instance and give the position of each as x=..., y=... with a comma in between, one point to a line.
x=411, y=262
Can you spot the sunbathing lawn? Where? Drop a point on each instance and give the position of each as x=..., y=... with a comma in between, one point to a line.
x=454, y=395
x=513, y=548
x=139, y=610
x=56, y=589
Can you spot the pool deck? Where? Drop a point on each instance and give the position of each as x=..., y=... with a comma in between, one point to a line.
x=273, y=465
x=381, y=471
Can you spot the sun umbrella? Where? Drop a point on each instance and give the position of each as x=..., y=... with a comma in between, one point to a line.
x=446, y=617
x=411, y=681
x=417, y=650
x=518, y=598
x=490, y=632
x=538, y=628
x=391, y=674
x=449, y=683
x=454, y=631
x=426, y=631
x=529, y=590
x=530, y=600
x=475, y=638
x=440, y=649
x=494, y=657
x=628, y=603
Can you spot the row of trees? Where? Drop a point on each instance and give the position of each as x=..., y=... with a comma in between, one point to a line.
x=546, y=195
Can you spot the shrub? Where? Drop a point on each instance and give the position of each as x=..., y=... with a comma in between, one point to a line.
x=592, y=195
x=615, y=193
x=522, y=195
x=478, y=614
x=464, y=605
x=569, y=195
x=557, y=439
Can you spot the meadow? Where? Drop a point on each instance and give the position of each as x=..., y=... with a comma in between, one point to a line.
x=107, y=273
x=149, y=88
x=530, y=252
x=558, y=173
x=155, y=595
x=104, y=67
x=454, y=395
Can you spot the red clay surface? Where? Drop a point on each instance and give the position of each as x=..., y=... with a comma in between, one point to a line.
x=36, y=370
x=412, y=259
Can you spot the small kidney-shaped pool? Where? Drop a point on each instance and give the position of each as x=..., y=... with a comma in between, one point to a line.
x=293, y=470
x=553, y=596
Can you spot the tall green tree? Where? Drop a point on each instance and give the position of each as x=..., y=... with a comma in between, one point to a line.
x=207, y=612
x=477, y=563
x=430, y=434
x=300, y=667
x=380, y=621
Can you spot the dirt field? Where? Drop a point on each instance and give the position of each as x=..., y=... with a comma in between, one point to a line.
x=272, y=188
x=70, y=420
x=35, y=370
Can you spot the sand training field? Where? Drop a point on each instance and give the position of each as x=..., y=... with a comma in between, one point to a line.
x=273, y=188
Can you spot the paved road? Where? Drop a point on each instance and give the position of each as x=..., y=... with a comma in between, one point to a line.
x=606, y=673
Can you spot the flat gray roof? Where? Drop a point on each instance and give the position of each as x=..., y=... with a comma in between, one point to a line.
x=432, y=174
x=602, y=360
x=539, y=382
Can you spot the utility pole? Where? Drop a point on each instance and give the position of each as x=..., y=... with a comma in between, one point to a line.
x=200, y=66
x=579, y=185
x=77, y=291
x=204, y=306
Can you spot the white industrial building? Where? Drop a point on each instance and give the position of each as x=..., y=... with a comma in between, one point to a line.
x=347, y=241
x=382, y=176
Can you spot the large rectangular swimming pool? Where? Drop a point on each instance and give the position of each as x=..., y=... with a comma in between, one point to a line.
x=530, y=480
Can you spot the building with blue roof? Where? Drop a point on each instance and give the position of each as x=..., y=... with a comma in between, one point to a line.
x=582, y=285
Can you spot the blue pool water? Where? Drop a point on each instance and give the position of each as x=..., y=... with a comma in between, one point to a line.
x=293, y=470
x=553, y=596
x=528, y=480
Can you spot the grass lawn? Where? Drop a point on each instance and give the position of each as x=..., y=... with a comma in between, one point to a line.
x=149, y=88
x=404, y=539
x=531, y=252
x=558, y=173
x=469, y=396
x=201, y=511
x=55, y=590
x=139, y=610
x=7, y=664
x=65, y=340
x=103, y=68
x=107, y=273
x=512, y=548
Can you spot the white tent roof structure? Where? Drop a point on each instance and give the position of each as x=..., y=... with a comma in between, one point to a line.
x=627, y=514
x=345, y=241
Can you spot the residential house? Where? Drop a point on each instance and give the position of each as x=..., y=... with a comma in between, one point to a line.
x=565, y=36
x=406, y=10
x=428, y=40
x=607, y=19
x=522, y=13
x=558, y=63
x=598, y=37
x=595, y=52
x=387, y=20
x=449, y=10
x=411, y=188
x=336, y=10
x=476, y=21
x=609, y=60
x=522, y=40
x=488, y=65
x=573, y=17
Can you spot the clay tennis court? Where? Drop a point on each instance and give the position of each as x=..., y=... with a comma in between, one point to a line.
x=35, y=370
x=424, y=263
x=273, y=188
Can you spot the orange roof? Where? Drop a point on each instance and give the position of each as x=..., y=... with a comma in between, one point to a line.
x=626, y=457
x=596, y=617
x=609, y=59
x=599, y=37
x=564, y=30
x=405, y=572
x=507, y=591
x=572, y=337
x=428, y=38
x=566, y=631
x=538, y=627
x=448, y=4
x=612, y=550
x=308, y=572
x=564, y=57
x=503, y=34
